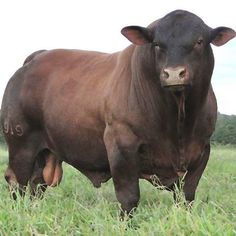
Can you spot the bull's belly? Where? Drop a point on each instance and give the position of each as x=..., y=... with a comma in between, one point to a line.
x=91, y=160
x=86, y=157
x=83, y=150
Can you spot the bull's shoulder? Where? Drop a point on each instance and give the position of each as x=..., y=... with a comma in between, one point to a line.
x=207, y=117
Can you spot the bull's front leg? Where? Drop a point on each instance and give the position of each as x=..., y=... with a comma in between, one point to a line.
x=122, y=150
x=193, y=176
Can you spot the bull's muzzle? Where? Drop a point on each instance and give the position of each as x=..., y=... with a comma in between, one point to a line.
x=174, y=78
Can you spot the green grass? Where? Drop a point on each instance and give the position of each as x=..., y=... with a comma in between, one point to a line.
x=77, y=208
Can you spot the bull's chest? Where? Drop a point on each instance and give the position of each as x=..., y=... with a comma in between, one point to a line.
x=166, y=161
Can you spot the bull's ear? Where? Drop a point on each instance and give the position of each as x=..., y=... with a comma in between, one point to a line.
x=137, y=34
x=222, y=35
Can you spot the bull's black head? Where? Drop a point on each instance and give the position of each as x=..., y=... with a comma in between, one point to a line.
x=180, y=42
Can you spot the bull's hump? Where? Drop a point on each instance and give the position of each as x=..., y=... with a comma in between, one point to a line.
x=59, y=56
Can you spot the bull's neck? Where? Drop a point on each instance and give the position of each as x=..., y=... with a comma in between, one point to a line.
x=164, y=109
x=170, y=116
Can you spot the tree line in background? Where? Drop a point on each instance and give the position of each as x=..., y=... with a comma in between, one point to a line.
x=225, y=132
x=1, y=137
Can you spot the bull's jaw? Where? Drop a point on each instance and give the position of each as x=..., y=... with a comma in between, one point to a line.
x=177, y=89
x=175, y=85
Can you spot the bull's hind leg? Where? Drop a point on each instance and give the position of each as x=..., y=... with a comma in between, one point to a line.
x=22, y=153
x=28, y=162
x=37, y=183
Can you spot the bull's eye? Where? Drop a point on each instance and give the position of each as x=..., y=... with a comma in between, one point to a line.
x=199, y=42
x=156, y=45
x=160, y=48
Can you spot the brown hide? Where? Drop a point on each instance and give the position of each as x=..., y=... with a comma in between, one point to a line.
x=120, y=115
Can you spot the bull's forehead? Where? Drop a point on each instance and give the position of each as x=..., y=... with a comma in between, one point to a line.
x=180, y=27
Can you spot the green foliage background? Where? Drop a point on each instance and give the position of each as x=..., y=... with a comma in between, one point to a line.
x=1, y=136
x=225, y=132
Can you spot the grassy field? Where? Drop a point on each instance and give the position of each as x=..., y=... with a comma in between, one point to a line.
x=77, y=208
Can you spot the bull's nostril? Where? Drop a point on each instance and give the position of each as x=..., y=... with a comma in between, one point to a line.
x=182, y=73
x=165, y=74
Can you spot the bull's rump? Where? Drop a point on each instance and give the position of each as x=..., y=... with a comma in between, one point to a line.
x=60, y=94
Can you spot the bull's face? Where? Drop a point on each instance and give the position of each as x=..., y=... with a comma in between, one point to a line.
x=180, y=45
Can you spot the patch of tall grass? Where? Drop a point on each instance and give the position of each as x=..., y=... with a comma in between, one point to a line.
x=77, y=208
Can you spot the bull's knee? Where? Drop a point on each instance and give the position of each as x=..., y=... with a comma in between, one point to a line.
x=13, y=183
x=10, y=176
x=22, y=172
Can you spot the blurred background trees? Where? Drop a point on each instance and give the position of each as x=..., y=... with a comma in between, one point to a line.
x=225, y=132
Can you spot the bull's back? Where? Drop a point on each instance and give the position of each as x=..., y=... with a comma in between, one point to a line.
x=59, y=78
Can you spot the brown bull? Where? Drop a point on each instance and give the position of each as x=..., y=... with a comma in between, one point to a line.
x=146, y=111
